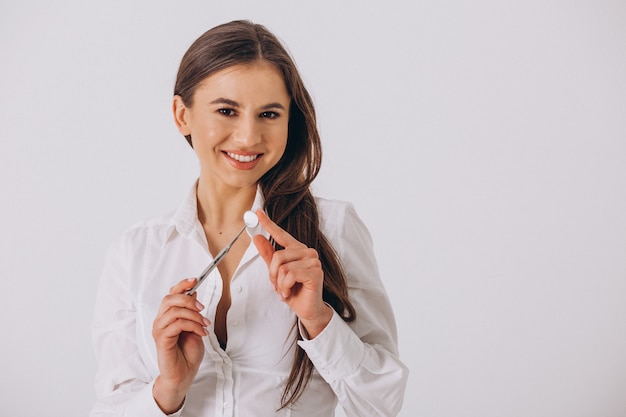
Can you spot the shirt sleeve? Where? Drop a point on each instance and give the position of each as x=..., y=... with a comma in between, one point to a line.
x=123, y=383
x=360, y=360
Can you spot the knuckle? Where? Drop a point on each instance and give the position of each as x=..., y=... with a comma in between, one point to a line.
x=288, y=276
x=283, y=270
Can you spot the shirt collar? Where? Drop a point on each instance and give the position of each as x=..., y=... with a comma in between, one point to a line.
x=185, y=219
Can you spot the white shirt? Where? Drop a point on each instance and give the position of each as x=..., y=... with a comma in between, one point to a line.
x=355, y=363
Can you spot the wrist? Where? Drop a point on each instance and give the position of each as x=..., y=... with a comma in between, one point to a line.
x=169, y=400
x=314, y=326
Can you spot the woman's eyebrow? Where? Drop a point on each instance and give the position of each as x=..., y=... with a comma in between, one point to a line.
x=233, y=103
x=275, y=105
x=226, y=101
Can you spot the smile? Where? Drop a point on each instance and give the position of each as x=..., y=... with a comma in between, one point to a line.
x=242, y=158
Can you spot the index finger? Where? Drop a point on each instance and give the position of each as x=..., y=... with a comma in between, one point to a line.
x=281, y=236
x=183, y=286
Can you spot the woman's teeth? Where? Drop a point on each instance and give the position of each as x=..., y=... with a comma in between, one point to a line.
x=242, y=158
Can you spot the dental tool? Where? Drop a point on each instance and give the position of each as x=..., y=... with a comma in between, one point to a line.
x=250, y=220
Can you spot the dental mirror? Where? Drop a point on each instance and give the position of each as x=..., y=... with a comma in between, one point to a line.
x=250, y=219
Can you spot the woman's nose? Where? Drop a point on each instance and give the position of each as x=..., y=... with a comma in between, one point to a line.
x=248, y=131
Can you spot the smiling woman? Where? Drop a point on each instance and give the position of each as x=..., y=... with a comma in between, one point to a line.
x=239, y=119
x=294, y=319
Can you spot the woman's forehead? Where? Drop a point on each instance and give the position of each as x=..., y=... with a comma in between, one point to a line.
x=259, y=79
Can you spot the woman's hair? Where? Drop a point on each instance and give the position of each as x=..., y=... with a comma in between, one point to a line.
x=285, y=187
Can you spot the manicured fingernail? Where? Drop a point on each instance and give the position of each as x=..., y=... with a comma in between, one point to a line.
x=199, y=306
x=206, y=322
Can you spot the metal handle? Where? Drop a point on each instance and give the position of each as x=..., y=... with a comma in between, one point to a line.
x=213, y=264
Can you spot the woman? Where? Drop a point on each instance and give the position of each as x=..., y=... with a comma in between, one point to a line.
x=294, y=319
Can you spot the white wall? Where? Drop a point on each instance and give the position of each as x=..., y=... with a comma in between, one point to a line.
x=483, y=142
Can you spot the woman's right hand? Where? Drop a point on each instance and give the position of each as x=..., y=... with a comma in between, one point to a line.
x=177, y=331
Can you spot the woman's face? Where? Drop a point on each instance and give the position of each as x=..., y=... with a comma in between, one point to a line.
x=238, y=123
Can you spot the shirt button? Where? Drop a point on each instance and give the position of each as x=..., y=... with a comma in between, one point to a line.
x=235, y=322
x=239, y=288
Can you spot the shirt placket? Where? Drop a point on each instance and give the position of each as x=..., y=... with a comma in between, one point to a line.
x=224, y=377
x=227, y=392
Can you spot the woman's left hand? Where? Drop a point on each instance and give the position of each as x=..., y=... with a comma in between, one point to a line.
x=296, y=274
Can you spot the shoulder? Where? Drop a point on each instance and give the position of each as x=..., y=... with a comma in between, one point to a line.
x=335, y=215
x=341, y=224
x=149, y=232
x=333, y=212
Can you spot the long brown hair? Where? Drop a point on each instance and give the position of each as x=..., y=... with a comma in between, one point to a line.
x=285, y=187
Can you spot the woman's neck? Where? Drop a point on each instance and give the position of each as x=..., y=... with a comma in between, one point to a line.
x=222, y=207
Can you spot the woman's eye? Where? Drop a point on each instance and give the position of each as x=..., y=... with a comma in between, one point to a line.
x=227, y=112
x=269, y=115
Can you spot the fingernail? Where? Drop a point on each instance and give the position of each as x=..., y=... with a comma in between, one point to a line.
x=199, y=306
x=206, y=322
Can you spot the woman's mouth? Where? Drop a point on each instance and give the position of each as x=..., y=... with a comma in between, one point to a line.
x=242, y=158
x=244, y=161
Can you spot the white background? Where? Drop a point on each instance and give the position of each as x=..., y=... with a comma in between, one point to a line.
x=483, y=142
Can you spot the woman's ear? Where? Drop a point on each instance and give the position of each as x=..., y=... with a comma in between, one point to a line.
x=181, y=115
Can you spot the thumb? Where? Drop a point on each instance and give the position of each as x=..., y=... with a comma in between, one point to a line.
x=265, y=248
